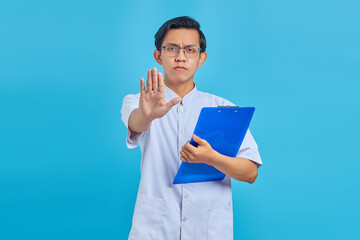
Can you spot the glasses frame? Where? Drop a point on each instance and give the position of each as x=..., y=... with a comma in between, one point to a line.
x=179, y=48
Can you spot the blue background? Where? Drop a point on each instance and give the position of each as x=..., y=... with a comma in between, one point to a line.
x=65, y=66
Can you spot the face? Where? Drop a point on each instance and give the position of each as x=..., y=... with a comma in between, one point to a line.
x=180, y=69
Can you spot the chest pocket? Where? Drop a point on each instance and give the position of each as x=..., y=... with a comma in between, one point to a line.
x=148, y=218
x=220, y=225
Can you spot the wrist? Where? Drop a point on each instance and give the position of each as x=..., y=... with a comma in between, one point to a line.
x=146, y=119
x=213, y=158
x=137, y=122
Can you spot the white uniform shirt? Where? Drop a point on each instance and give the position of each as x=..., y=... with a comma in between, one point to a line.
x=165, y=211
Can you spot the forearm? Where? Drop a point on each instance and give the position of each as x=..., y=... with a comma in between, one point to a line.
x=137, y=123
x=241, y=169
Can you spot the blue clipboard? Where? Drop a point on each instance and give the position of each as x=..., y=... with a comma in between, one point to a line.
x=224, y=128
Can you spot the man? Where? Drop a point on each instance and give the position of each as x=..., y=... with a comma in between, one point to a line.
x=161, y=119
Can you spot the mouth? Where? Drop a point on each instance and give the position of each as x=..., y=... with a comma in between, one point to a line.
x=180, y=68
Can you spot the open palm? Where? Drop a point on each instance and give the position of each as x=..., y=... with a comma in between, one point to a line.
x=152, y=103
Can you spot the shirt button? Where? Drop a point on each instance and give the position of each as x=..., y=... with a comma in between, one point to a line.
x=184, y=219
x=181, y=109
x=182, y=131
x=186, y=196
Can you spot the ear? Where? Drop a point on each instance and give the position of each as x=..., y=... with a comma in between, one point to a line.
x=202, y=58
x=157, y=56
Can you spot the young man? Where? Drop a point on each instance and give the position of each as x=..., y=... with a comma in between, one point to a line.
x=161, y=119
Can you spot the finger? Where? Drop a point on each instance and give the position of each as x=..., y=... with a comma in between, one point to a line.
x=149, y=81
x=200, y=141
x=142, y=86
x=161, y=83
x=189, y=149
x=186, y=151
x=173, y=102
x=154, y=80
x=184, y=157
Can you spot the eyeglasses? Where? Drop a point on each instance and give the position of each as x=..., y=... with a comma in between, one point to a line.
x=173, y=50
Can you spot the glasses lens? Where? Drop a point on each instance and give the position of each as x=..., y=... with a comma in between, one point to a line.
x=191, y=51
x=171, y=51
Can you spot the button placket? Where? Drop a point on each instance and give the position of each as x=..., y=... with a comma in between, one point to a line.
x=181, y=115
x=180, y=110
x=185, y=221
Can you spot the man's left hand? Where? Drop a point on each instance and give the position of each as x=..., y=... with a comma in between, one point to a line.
x=203, y=153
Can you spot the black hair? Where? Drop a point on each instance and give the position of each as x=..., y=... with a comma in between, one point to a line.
x=179, y=22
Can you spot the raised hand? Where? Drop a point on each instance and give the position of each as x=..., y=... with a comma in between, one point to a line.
x=152, y=103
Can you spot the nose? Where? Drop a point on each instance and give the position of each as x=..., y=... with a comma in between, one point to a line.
x=180, y=57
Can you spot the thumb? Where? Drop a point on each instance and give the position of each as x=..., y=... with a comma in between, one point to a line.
x=173, y=102
x=199, y=141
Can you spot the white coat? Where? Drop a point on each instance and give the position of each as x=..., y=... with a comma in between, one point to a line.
x=163, y=211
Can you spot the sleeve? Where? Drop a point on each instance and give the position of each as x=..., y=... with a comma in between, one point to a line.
x=249, y=149
x=130, y=103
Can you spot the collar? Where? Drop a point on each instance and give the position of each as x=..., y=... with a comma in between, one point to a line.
x=187, y=99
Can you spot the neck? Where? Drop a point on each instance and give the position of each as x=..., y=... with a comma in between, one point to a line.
x=181, y=89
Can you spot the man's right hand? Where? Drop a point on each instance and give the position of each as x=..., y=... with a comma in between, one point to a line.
x=152, y=102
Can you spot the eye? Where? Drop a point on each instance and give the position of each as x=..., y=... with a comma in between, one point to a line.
x=191, y=49
x=171, y=48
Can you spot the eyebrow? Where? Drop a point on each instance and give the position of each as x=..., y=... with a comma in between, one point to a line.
x=174, y=44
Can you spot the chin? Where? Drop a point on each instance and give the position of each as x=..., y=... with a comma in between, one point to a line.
x=182, y=79
x=179, y=81
x=179, y=77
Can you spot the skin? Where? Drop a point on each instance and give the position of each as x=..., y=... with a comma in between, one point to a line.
x=180, y=81
x=179, y=77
